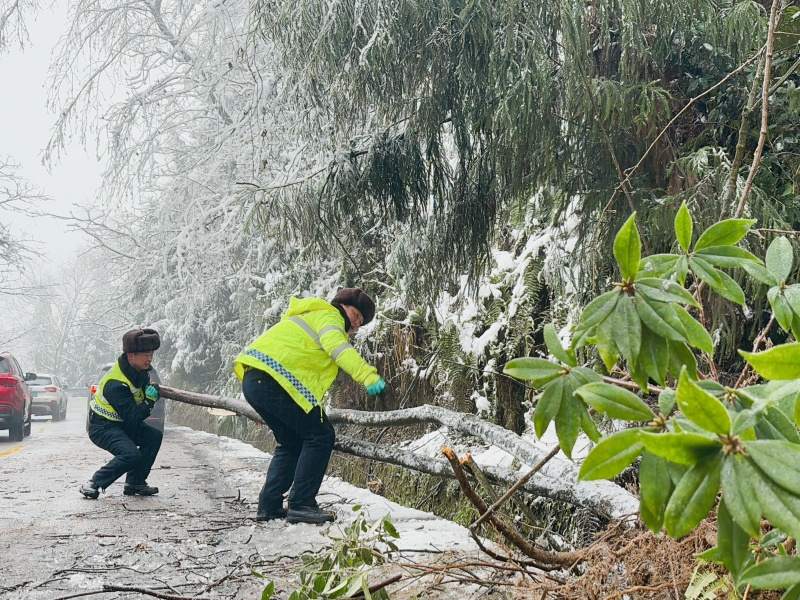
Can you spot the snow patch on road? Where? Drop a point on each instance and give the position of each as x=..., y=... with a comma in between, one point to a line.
x=418, y=530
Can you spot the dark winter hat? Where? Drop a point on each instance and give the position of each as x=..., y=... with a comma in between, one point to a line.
x=358, y=298
x=140, y=340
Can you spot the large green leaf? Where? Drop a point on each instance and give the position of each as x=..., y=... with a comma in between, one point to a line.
x=655, y=488
x=732, y=541
x=759, y=273
x=628, y=248
x=682, y=269
x=779, y=460
x=700, y=407
x=539, y=371
x=664, y=290
x=738, y=478
x=660, y=318
x=728, y=256
x=611, y=455
x=779, y=506
x=774, y=424
x=666, y=401
x=782, y=395
x=730, y=289
x=684, y=448
x=555, y=348
x=605, y=344
x=780, y=256
x=724, y=233
x=683, y=227
x=696, y=334
x=654, y=356
x=793, y=593
x=568, y=421
x=616, y=402
x=681, y=356
x=717, y=280
x=792, y=295
x=659, y=265
x=548, y=405
x=638, y=374
x=780, y=308
x=587, y=423
x=744, y=420
x=693, y=497
x=776, y=573
x=596, y=312
x=627, y=329
x=584, y=375
x=780, y=362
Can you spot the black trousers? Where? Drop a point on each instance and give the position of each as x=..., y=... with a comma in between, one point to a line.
x=305, y=442
x=134, y=446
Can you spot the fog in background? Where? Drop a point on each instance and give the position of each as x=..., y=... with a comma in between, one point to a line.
x=73, y=180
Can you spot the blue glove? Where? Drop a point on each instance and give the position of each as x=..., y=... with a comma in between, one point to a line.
x=151, y=393
x=376, y=388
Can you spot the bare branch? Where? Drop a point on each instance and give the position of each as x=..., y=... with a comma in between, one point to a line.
x=762, y=136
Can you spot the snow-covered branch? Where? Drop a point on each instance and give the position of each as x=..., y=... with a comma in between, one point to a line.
x=557, y=481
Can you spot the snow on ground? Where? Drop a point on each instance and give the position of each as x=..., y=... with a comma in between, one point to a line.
x=418, y=530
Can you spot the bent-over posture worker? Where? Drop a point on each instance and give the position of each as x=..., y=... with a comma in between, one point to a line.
x=285, y=374
x=123, y=400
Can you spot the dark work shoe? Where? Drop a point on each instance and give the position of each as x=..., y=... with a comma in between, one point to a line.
x=90, y=490
x=309, y=514
x=141, y=489
x=271, y=515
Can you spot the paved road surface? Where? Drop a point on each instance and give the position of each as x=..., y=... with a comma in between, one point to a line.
x=196, y=536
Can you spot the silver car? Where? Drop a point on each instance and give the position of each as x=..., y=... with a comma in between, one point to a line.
x=48, y=397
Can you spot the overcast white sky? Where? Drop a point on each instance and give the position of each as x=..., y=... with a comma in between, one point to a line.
x=24, y=130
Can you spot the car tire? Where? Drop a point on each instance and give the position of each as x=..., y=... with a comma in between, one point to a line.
x=16, y=431
x=26, y=431
x=64, y=412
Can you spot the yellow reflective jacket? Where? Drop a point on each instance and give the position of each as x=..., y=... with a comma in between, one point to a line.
x=103, y=407
x=304, y=351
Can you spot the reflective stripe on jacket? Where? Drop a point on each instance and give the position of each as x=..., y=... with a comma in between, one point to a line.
x=304, y=351
x=103, y=407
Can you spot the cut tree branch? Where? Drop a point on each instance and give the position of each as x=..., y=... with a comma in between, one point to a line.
x=544, y=558
x=557, y=481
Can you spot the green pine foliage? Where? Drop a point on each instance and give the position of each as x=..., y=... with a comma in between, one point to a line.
x=448, y=115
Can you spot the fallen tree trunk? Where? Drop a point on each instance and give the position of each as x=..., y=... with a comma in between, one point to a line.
x=557, y=481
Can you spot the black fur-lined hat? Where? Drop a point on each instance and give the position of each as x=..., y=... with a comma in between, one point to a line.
x=140, y=340
x=358, y=298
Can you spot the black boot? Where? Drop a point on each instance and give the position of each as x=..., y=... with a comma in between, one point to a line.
x=90, y=490
x=270, y=515
x=142, y=489
x=309, y=514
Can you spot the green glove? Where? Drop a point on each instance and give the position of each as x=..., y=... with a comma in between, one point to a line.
x=151, y=393
x=376, y=388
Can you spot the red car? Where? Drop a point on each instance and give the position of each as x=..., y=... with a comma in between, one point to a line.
x=15, y=398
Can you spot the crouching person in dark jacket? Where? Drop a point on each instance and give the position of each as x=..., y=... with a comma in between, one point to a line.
x=123, y=400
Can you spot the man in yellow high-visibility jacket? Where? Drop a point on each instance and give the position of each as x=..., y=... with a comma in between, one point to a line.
x=285, y=373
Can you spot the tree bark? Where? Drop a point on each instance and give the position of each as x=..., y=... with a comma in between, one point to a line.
x=557, y=480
